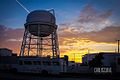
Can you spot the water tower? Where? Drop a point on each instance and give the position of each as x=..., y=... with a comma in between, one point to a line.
x=40, y=35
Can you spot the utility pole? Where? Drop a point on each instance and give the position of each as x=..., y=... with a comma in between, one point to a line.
x=118, y=44
x=88, y=56
x=74, y=56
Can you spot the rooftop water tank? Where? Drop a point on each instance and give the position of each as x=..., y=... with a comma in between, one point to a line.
x=40, y=23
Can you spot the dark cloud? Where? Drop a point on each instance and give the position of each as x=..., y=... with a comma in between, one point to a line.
x=108, y=34
x=92, y=24
x=91, y=19
x=9, y=33
x=91, y=14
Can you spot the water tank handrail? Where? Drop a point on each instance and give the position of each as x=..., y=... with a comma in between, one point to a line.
x=40, y=23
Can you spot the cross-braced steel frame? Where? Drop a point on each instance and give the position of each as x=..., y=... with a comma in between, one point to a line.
x=40, y=46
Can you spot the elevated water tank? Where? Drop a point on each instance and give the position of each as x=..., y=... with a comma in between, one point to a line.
x=40, y=23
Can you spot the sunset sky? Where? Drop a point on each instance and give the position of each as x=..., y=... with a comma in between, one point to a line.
x=83, y=25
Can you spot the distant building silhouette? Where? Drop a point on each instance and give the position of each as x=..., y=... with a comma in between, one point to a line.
x=108, y=58
x=6, y=52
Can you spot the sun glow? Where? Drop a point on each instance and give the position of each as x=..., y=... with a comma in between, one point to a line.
x=76, y=48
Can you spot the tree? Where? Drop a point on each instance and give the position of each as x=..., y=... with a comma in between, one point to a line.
x=97, y=61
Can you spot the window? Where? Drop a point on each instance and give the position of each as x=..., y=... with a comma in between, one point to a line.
x=28, y=62
x=36, y=62
x=21, y=62
x=56, y=63
x=118, y=61
x=46, y=62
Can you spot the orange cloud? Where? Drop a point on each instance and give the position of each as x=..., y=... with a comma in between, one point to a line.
x=10, y=38
x=108, y=34
x=70, y=43
x=81, y=42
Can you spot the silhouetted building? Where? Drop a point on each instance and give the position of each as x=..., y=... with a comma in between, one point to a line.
x=109, y=58
x=5, y=52
x=88, y=57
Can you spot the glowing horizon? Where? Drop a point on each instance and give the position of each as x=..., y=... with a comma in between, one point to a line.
x=76, y=51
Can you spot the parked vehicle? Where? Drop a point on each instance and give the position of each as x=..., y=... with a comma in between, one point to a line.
x=39, y=65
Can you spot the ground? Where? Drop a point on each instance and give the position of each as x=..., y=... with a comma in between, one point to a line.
x=20, y=76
